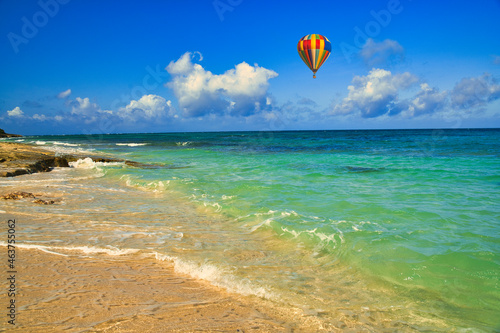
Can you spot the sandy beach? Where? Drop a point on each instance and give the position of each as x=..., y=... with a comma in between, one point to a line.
x=74, y=291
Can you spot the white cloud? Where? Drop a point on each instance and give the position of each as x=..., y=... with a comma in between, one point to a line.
x=377, y=94
x=475, y=92
x=427, y=101
x=82, y=109
x=64, y=94
x=239, y=91
x=147, y=107
x=374, y=53
x=83, y=106
x=374, y=94
x=496, y=60
x=16, y=112
x=183, y=65
x=40, y=117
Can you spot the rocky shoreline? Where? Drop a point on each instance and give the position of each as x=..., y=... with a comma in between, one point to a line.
x=7, y=135
x=19, y=159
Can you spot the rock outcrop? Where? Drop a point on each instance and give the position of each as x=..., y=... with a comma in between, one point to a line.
x=20, y=159
x=22, y=195
x=6, y=135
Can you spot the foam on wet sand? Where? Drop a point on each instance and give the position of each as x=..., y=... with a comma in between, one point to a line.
x=77, y=293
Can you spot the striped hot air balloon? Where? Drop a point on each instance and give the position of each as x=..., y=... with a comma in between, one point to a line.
x=314, y=50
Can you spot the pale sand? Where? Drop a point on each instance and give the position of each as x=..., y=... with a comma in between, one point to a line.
x=127, y=294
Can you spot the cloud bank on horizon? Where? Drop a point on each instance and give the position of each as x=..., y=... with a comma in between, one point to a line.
x=377, y=94
x=239, y=92
x=243, y=92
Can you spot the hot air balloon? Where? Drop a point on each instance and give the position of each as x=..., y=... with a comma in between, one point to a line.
x=314, y=50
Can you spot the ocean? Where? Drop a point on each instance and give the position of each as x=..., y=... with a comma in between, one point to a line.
x=378, y=227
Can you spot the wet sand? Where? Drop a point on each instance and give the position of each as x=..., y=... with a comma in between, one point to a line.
x=72, y=293
x=76, y=292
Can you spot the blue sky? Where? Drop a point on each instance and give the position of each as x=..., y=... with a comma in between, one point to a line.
x=79, y=67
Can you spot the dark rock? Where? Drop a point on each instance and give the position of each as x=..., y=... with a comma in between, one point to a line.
x=21, y=195
x=6, y=135
x=44, y=202
x=18, y=195
x=20, y=159
x=61, y=162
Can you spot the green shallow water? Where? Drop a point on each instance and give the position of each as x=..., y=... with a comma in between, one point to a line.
x=407, y=222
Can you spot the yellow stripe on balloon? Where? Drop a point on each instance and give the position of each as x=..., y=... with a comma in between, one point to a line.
x=315, y=54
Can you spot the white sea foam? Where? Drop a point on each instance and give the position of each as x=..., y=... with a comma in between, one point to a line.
x=290, y=213
x=217, y=276
x=186, y=143
x=110, y=250
x=57, y=143
x=67, y=149
x=154, y=186
x=85, y=163
x=322, y=236
x=131, y=144
x=88, y=163
x=276, y=216
x=40, y=142
x=216, y=205
x=265, y=222
x=158, y=186
x=270, y=212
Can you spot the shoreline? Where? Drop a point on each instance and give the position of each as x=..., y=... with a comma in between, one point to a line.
x=77, y=291
x=18, y=159
x=126, y=294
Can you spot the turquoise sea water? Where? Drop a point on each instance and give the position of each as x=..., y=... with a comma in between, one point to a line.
x=397, y=225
